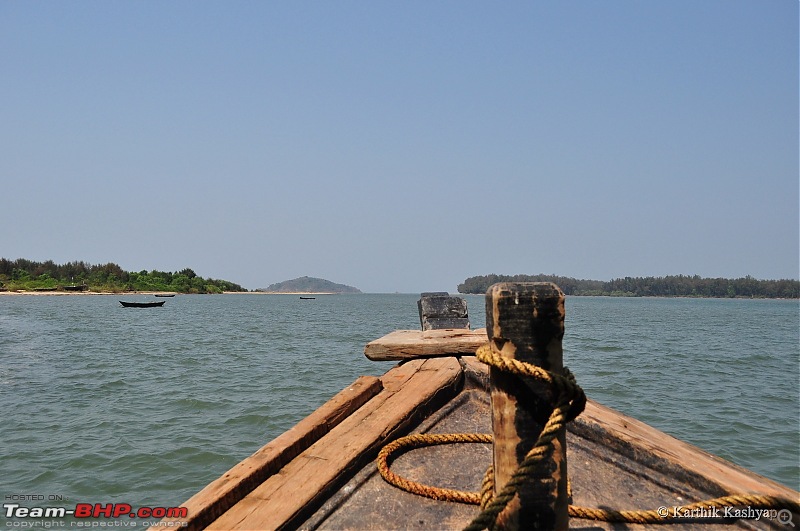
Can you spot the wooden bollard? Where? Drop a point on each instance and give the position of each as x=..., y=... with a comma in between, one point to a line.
x=525, y=321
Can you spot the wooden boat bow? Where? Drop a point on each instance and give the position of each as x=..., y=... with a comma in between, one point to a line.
x=321, y=473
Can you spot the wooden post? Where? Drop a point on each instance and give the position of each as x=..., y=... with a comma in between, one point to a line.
x=525, y=321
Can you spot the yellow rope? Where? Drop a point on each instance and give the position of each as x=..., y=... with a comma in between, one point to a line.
x=569, y=404
x=419, y=440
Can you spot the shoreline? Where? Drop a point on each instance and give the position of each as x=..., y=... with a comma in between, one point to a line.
x=84, y=293
x=299, y=293
x=125, y=293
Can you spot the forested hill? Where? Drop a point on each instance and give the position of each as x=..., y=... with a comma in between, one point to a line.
x=309, y=285
x=28, y=275
x=669, y=286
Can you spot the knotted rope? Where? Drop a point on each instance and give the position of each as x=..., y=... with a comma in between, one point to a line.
x=570, y=402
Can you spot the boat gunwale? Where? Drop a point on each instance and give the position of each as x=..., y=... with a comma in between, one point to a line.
x=618, y=433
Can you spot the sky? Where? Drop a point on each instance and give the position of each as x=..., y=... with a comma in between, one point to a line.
x=402, y=146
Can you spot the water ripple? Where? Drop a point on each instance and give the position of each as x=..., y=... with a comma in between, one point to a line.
x=147, y=407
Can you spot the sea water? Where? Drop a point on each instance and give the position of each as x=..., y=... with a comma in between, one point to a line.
x=105, y=404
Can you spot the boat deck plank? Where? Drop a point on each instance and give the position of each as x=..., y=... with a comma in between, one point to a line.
x=224, y=492
x=614, y=462
x=618, y=476
x=279, y=500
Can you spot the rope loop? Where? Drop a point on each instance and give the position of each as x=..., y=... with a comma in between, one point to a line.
x=570, y=402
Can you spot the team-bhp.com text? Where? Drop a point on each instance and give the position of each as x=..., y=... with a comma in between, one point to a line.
x=93, y=511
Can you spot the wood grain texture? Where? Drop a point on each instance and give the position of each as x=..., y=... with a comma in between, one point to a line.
x=525, y=322
x=409, y=391
x=409, y=344
x=674, y=457
x=224, y=492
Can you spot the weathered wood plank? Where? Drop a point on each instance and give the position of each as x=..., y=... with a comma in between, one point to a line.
x=614, y=429
x=641, y=442
x=224, y=492
x=410, y=344
x=410, y=391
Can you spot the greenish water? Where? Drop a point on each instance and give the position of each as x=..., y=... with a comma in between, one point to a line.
x=105, y=404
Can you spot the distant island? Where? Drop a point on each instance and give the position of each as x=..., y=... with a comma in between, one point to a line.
x=31, y=276
x=308, y=285
x=668, y=286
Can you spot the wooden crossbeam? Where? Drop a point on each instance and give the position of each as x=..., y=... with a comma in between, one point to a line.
x=409, y=344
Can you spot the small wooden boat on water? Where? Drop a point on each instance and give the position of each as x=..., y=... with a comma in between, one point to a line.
x=164, y=294
x=307, y=298
x=142, y=304
x=322, y=473
x=82, y=287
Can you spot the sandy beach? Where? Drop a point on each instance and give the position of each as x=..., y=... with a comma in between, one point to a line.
x=84, y=293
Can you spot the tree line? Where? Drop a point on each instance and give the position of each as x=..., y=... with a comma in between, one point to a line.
x=22, y=274
x=669, y=286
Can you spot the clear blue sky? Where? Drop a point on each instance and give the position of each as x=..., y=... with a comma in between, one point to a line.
x=402, y=146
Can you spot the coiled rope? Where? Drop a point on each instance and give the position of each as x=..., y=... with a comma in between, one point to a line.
x=570, y=402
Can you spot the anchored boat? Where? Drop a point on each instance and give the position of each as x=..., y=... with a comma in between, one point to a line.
x=141, y=304
x=438, y=419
